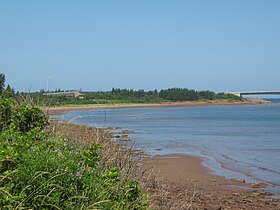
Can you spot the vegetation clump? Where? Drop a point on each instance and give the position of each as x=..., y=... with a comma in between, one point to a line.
x=41, y=169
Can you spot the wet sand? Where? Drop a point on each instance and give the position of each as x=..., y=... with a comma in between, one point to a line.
x=178, y=168
x=211, y=192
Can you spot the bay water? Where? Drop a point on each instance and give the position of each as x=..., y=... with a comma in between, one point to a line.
x=241, y=142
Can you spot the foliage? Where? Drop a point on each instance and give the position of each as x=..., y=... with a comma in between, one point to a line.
x=5, y=112
x=2, y=83
x=228, y=97
x=43, y=170
x=179, y=94
x=9, y=92
x=56, y=175
x=25, y=118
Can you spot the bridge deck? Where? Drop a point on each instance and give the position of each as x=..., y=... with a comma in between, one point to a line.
x=255, y=93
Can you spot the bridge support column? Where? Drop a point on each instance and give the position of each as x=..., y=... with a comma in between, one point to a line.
x=237, y=94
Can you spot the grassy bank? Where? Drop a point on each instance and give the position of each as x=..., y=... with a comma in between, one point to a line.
x=48, y=166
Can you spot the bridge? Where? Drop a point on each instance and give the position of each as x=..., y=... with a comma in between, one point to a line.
x=274, y=92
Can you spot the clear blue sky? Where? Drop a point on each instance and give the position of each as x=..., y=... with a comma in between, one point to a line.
x=141, y=44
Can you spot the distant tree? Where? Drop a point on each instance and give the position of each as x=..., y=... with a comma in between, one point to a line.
x=2, y=83
x=206, y=94
x=9, y=92
x=179, y=94
x=8, y=88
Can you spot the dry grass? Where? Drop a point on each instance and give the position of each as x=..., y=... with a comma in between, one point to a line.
x=116, y=151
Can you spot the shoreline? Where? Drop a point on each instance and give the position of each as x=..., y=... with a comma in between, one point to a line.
x=189, y=167
x=182, y=171
x=62, y=110
x=198, y=159
x=179, y=180
x=187, y=171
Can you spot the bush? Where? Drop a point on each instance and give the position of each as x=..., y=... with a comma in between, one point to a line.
x=39, y=170
x=5, y=112
x=25, y=118
x=55, y=175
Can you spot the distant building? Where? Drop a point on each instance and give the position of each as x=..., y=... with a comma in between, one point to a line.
x=67, y=94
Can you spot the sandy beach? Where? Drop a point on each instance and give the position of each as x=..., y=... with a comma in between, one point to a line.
x=61, y=109
x=184, y=172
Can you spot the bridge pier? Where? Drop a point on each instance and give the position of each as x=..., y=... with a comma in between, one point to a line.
x=236, y=94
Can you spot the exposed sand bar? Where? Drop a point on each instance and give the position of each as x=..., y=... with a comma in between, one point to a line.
x=62, y=109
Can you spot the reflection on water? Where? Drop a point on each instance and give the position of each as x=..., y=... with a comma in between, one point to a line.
x=236, y=141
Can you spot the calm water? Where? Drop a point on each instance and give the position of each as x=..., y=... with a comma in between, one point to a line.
x=272, y=99
x=235, y=141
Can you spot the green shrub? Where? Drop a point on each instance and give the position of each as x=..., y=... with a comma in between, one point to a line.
x=55, y=175
x=26, y=117
x=43, y=171
x=5, y=112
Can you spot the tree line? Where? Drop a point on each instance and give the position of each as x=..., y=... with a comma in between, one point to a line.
x=117, y=95
x=171, y=94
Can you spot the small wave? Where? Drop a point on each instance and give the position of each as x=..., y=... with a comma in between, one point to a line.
x=242, y=170
x=250, y=164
